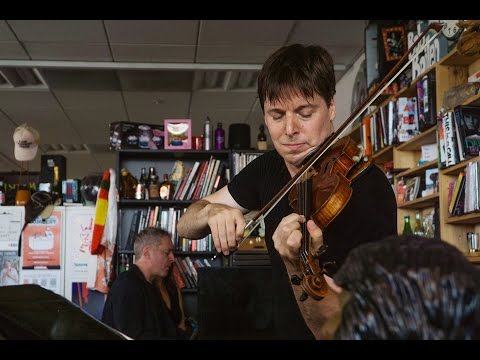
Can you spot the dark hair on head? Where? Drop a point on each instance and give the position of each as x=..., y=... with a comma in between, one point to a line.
x=148, y=236
x=409, y=287
x=297, y=69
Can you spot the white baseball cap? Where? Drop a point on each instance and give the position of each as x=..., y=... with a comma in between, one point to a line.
x=26, y=141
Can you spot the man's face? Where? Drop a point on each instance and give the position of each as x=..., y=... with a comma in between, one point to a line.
x=162, y=258
x=298, y=125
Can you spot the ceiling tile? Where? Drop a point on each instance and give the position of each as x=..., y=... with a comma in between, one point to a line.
x=244, y=32
x=154, y=53
x=70, y=51
x=154, y=107
x=5, y=32
x=231, y=54
x=166, y=32
x=215, y=100
x=90, y=99
x=159, y=80
x=33, y=100
x=345, y=33
x=86, y=31
x=81, y=79
x=155, y=101
x=12, y=50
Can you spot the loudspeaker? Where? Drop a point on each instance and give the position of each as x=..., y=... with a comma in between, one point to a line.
x=239, y=136
x=46, y=168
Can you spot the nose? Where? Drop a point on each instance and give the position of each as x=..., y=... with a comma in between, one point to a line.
x=290, y=124
x=171, y=257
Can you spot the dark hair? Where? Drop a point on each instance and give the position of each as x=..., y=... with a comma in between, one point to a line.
x=409, y=287
x=297, y=69
x=148, y=236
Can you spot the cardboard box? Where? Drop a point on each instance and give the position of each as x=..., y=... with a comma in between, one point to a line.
x=131, y=135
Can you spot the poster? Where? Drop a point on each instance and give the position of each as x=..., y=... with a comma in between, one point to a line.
x=11, y=222
x=41, y=244
x=48, y=279
x=80, y=265
x=10, y=268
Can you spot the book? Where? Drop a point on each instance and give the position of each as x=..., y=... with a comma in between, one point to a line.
x=407, y=118
x=456, y=192
x=451, y=157
x=133, y=230
x=467, y=119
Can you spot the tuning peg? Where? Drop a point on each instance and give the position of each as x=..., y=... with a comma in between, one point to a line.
x=304, y=296
x=320, y=251
x=296, y=280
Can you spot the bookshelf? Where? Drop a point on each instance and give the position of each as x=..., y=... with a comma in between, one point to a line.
x=169, y=211
x=452, y=70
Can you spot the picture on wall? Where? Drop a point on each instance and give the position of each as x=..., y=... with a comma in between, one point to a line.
x=394, y=42
x=178, y=134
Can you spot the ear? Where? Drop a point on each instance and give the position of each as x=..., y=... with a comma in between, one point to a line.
x=332, y=110
x=146, y=252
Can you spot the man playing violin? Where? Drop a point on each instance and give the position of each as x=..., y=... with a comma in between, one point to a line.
x=296, y=89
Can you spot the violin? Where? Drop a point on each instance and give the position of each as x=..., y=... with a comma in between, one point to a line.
x=327, y=186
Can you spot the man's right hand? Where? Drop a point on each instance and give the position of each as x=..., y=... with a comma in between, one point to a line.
x=227, y=226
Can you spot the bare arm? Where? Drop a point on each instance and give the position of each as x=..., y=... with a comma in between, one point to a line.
x=218, y=214
x=287, y=239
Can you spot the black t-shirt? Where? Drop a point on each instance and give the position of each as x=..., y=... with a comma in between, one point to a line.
x=370, y=215
x=134, y=307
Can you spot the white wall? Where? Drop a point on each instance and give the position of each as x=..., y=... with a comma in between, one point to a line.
x=343, y=98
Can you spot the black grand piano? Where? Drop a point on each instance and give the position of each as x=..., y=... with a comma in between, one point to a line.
x=30, y=312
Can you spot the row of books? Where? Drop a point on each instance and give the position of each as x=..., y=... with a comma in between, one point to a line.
x=409, y=189
x=167, y=219
x=185, y=271
x=458, y=135
x=240, y=160
x=200, y=180
x=399, y=121
x=463, y=192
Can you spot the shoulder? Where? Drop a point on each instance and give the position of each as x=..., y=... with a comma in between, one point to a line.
x=127, y=281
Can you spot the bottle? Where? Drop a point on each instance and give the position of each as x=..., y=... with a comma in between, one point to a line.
x=262, y=139
x=128, y=184
x=56, y=185
x=2, y=194
x=207, y=140
x=219, y=137
x=154, y=188
x=141, y=186
x=166, y=188
x=418, y=229
x=407, y=228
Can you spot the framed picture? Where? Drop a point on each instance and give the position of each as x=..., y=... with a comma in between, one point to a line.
x=178, y=134
x=394, y=42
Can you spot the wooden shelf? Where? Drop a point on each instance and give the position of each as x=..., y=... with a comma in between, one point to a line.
x=429, y=136
x=420, y=203
x=419, y=170
x=383, y=155
x=457, y=168
x=194, y=253
x=172, y=154
x=470, y=218
x=166, y=203
x=473, y=257
x=453, y=58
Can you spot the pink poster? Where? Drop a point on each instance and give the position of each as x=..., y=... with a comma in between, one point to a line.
x=41, y=243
